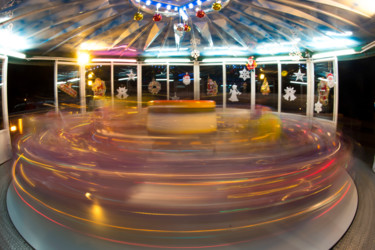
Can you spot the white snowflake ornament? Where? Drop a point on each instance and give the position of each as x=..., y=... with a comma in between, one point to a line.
x=131, y=75
x=299, y=75
x=289, y=94
x=244, y=74
x=318, y=107
x=122, y=93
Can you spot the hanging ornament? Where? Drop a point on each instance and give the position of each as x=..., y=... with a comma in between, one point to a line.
x=200, y=13
x=318, y=107
x=265, y=88
x=211, y=87
x=186, y=79
x=157, y=17
x=67, y=88
x=122, y=93
x=289, y=94
x=234, y=92
x=187, y=28
x=216, y=6
x=98, y=87
x=195, y=54
x=299, y=75
x=251, y=63
x=323, y=92
x=138, y=16
x=154, y=87
x=244, y=74
x=180, y=27
x=330, y=80
x=131, y=75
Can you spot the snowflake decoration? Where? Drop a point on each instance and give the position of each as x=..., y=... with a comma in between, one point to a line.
x=296, y=53
x=299, y=75
x=122, y=93
x=289, y=94
x=131, y=75
x=195, y=54
x=244, y=74
x=195, y=41
x=318, y=107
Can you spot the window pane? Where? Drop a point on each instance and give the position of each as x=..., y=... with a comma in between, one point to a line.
x=211, y=83
x=238, y=86
x=181, y=82
x=98, y=85
x=267, y=86
x=1, y=96
x=68, y=87
x=154, y=83
x=323, y=90
x=294, y=88
x=125, y=85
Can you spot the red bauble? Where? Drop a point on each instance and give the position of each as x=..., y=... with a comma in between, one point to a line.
x=187, y=28
x=157, y=17
x=200, y=13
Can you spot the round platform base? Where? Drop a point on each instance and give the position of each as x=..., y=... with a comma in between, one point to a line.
x=316, y=231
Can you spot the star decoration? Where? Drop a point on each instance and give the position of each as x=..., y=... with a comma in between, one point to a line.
x=244, y=74
x=299, y=75
x=318, y=107
x=131, y=75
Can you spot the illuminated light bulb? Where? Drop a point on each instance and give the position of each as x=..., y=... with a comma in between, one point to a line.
x=191, y=6
x=175, y=9
x=90, y=75
x=148, y=2
x=168, y=7
x=199, y=2
x=158, y=5
x=13, y=128
x=88, y=195
x=89, y=83
x=83, y=58
x=261, y=76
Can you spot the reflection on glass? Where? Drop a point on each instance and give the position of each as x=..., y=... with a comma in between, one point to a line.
x=125, y=85
x=181, y=82
x=267, y=86
x=68, y=87
x=1, y=96
x=238, y=86
x=294, y=88
x=154, y=83
x=211, y=83
x=324, y=90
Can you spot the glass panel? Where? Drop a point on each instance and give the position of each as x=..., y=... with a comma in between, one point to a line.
x=1, y=96
x=181, y=80
x=294, y=88
x=267, y=86
x=125, y=85
x=154, y=83
x=68, y=87
x=323, y=90
x=211, y=83
x=98, y=85
x=238, y=86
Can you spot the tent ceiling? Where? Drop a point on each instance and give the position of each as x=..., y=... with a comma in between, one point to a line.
x=240, y=28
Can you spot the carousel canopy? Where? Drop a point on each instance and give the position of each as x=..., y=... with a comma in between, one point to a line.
x=185, y=28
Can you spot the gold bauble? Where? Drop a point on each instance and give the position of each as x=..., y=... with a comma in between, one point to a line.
x=216, y=6
x=138, y=16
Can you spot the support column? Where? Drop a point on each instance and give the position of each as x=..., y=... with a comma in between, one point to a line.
x=139, y=86
x=336, y=90
x=196, y=81
x=252, y=86
x=168, y=87
x=112, y=85
x=55, y=75
x=82, y=88
x=310, y=88
x=224, y=86
x=279, y=82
